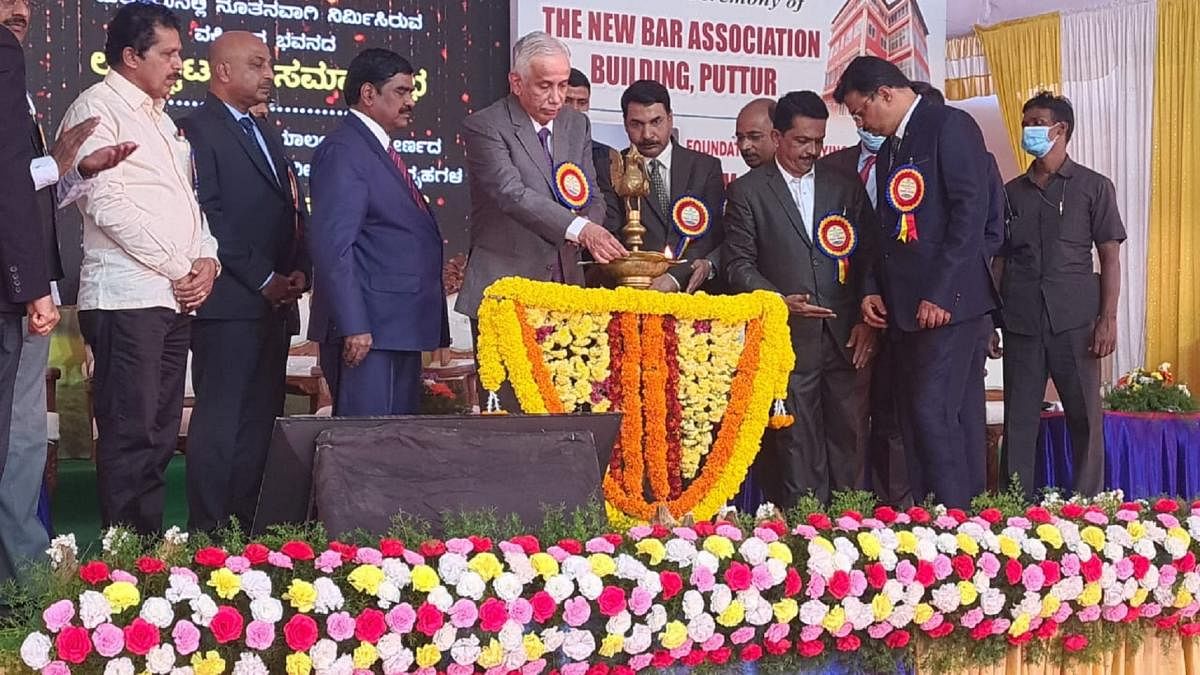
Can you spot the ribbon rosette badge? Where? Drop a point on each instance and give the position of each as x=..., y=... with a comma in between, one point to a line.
x=905, y=192
x=837, y=239
x=691, y=219
x=571, y=186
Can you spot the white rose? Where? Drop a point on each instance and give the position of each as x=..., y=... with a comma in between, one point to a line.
x=518, y=564
x=701, y=628
x=681, y=552
x=344, y=665
x=1035, y=549
x=778, y=570
x=947, y=543
x=719, y=598
x=693, y=604
x=323, y=653
x=181, y=589
x=574, y=566
x=590, y=586
x=1068, y=589
x=329, y=596
x=926, y=550
x=813, y=612
x=552, y=638
x=440, y=597
x=472, y=586
x=753, y=550
x=859, y=614
x=451, y=567
x=579, y=644
x=759, y=612
x=560, y=587
x=821, y=564
x=161, y=659
x=507, y=586
x=510, y=636
x=465, y=651
x=389, y=646
x=639, y=640
x=94, y=609
x=1030, y=604
x=847, y=550
x=158, y=612
x=656, y=618
x=914, y=594
x=946, y=598
x=992, y=602
x=267, y=610
x=888, y=559
x=902, y=615
x=445, y=636
x=203, y=610
x=121, y=666
x=1108, y=576
x=388, y=594
x=1191, y=582
x=250, y=664
x=619, y=624
x=1150, y=580
x=651, y=583
x=256, y=584
x=397, y=571
x=707, y=559
x=514, y=659
x=399, y=663
x=182, y=670
x=894, y=590
x=35, y=651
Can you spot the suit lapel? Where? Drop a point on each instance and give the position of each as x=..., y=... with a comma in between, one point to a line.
x=248, y=145
x=529, y=139
x=376, y=148
x=825, y=199
x=784, y=195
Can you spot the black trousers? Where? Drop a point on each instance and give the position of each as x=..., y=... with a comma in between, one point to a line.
x=11, y=339
x=1066, y=358
x=141, y=361
x=942, y=410
x=239, y=372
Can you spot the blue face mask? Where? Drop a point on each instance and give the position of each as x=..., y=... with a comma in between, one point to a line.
x=870, y=140
x=1036, y=141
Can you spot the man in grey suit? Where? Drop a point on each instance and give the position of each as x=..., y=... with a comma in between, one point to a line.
x=775, y=220
x=518, y=226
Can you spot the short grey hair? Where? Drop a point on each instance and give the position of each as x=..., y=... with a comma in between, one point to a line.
x=535, y=44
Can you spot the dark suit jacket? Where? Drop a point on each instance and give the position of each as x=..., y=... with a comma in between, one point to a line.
x=694, y=174
x=258, y=222
x=844, y=160
x=769, y=247
x=377, y=253
x=47, y=205
x=948, y=263
x=22, y=238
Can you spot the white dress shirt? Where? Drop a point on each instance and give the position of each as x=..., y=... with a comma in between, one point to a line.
x=258, y=137
x=907, y=116
x=142, y=225
x=576, y=225
x=374, y=128
x=803, y=189
x=664, y=158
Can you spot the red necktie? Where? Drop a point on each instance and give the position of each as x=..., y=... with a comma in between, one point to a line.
x=412, y=187
x=865, y=172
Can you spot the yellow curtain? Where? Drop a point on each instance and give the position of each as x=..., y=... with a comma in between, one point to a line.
x=1183, y=658
x=1024, y=57
x=967, y=73
x=1173, y=286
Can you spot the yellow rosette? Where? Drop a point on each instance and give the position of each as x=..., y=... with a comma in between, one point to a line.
x=905, y=192
x=837, y=239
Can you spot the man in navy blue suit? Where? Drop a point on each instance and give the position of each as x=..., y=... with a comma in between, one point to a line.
x=932, y=287
x=378, y=300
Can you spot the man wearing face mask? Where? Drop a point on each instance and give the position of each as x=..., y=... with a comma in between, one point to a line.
x=753, y=132
x=1059, y=316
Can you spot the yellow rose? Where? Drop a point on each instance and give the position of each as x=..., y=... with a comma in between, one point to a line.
x=1093, y=536
x=1050, y=605
x=1139, y=597
x=967, y=592
x=544, y=564
x=881, y=607
x=785, y=610
x=486, y=565
x=366, y=579
x=533, y=645
x=1180, y=534
x=923, y=613
x=1091, y=595
x=225, y=582
x=1009, y=547
x=652, y=548
x=365, y=655
x=718, y=546
x=210, y=663
x=732, y=615
x=780, y=551
x=906, y=542
x=834, y=619
x=1183, y=598
x=966, y=544
x=1049, y=534
x=428, y=656
x=868, y=543
x=122, y=595
x=1136, y=529
x=298, y=664
x=1020, y=626
x=825, y=544
x=492, y=655
x=302, y=595
x=673, y=635
x=613, y=644
x=602, y=564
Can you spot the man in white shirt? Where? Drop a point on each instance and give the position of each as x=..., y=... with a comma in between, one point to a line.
x=22, y=535
x=148, y=262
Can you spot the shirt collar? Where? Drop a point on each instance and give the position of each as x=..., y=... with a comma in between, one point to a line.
x=130, y=93
x=789, y=177
x=664, y=157
x=907, y=116
x=864, y=152
x=374, y=128
x=537, y=126
x=237, y=114
x=1066, y=170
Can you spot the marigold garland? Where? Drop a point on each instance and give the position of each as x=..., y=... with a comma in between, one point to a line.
x=537, y=366
x=654, y=390
x=631, y=423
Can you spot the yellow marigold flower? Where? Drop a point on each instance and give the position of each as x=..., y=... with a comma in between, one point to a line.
x=365, y=655
x=1183, y=598
x=486, y=565
x=1092, y=595
x=906, y=542
x=966, y=544
x=673, y=635
x=1139, y=597
x=1093, y=536
x=780, y=551
x=718, y=546
x=653, y=548
x=614, y=643
x=1050, y=534
x=602, y=564
x=785, y=610
x=366, y=579
x=1136, y=529
x=533, y=645
x=733, y=614
x=210, y=663
x=1020, y=626
x=881, y=607
x=122, y=595
x=1009, y=547
x=834, y=619
x=868, y=543
x=298, y=663
x=826, y=544
x=923, y=613
x=967, y=593
x=301, y=595
x=226, y=583
x=544, y=564
x=492, y=655
x=428, y=656
x=1050, y=605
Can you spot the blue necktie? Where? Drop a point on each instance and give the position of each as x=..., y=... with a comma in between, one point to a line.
x=248, y=126
x=544, y=139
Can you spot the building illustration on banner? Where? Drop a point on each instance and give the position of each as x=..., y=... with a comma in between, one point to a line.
x=890, y=29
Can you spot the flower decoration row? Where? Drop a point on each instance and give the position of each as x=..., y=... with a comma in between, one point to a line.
x=694, y=376
x=651, y=597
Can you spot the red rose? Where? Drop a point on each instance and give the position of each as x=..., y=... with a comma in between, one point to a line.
x=777, y=526
x=431, y=548
x=897, y=639
x=738, y=576
x=720, y=656
x=226, y=624
x=839, y=584
x=751, y=653
x=1072, y=510
x=958, y=515
x=1187, y=563
x=1167, y=622
x=793, y=584
x=876, y=575
x=528, y=543
x=1013, y=571
x=611, y=601
x=1074, y=643
x=492, y=615
x=572, y=546
x=391, y=548
x=621, y=670
x=694, y=658
x=1165, y=505
x=850, y=643
x=704, y=528
x=991, y=515
x=370, y=626
x=1131, y=506
x=662, y=659
x=480, y=544
x=297, y=550
x=94, y=572
x=1140, y=566
x=885, y=514
x=810, y=648
x=614, y=538
x=543, y=606
x=779, y=648
x=210, y=556
x=1020, y=640
x=942, y=631
x=429, y=619
x=671, y=584
x=300, y=633
x=148, y=565
x=598, y=669
x=1191, y=629
x=819, y=521
x=256, y=553
x=1047, y=630
x=659, y=531
x=964, y=567
x=1051, y=571
x=982, y=630
x=73, y=644
x=918, y=515
x=1132, y=615
x=141, y=636
x=347, y=551
x=925, y=574
x=1092, y=569
x=852, y=514
x=1038, y=514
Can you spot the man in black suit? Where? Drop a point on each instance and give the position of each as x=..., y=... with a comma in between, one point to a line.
x=932, y=287
x=240, y=337
x=674, y=172
x=785, y=229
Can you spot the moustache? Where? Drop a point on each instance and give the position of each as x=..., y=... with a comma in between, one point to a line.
x=17, y=21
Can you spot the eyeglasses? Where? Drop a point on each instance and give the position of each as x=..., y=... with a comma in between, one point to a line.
x=858, y=113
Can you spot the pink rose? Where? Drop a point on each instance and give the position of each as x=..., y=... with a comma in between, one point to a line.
x=816, y=586
x=460, y=545
x=280, y=560
x=878, y=631
x=1089, y=614
x=108, y=640
x=576, y=611
x=777, y=632
x=640, y=532
x=237, y=564
x=730, y=532
x=533, y=667
x=742, y=635
x=339, y=625
x=942, y=567
x=1096, y=517
x=685, y=533
x=766, y=534
x=401, y=618
x=1033, y=578
x=599, y=545
x=640, y=662
x=520, y=611
x=972, y=618
x=572, y=669
x=260, y=635
x=988, y=563
x=1124, y=568
x=186, y=637
x=858, y=583
x=463, y=613
x=1116, y=613
x=558, y=553
x=459, y=669
x=58, y=615
x=811, y=633
x=703, y=578
x=640, y=600
x=56, y=668
x=186, y=573
x=413, y=558
x=328, y=561
x=906, y=573
x=761, y=577
x=122, y=575
x=368, y=556
x=847, y=523
x=713, y=643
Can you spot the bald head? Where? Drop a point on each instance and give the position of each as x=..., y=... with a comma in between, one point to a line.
x=242, y=73
x=753, y=132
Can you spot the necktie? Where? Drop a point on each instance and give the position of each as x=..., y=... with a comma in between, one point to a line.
x=659, y=188
x=544, y=139
x=865, y=172
x=247, y=125
x=412, y=186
